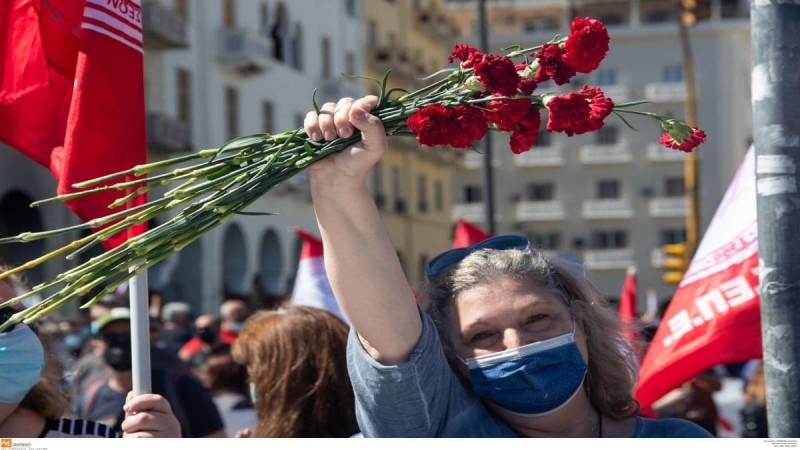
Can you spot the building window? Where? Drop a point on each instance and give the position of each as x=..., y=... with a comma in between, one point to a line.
x=438, y=195
x=372, y=34
x=325, y=48
x=266, y=117
x=473, y=194
x=184, y=88
x=546, y=241
x=605, y=77
x=229, y=14
x=659, y=17
x=608, y=189
x=296, y=47
x=675, y=187
x=350, y=7
x=609, y=239
x=607, y=135
x=612, y=19
x=672, y=74
x=349, y=63
x=395, y=183
x=181, y=8
x=232, y=112
x=278, y=32
x=263, y=20
x=540, y=192
x=422, y=193
x=672, y=236
x=545, y=139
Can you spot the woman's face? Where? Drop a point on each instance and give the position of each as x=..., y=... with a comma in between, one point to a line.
x=507, y=314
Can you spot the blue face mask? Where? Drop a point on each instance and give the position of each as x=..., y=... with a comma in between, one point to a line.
x=21, y=363
x=535, y=379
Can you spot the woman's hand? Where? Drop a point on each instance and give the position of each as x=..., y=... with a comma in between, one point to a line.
x=149, y=415
x=351, y=166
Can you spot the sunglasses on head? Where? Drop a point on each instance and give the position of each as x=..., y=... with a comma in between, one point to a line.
x=449, y=259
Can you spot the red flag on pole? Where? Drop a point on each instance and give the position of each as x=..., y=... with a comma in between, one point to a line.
x=627, y=308
x=467, y=234
x=72, y=93
x=311, y=285
x=714, y=316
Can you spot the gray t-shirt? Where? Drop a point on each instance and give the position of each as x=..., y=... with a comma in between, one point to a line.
x=424, y=398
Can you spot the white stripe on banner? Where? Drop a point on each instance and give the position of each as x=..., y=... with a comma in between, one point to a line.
x=125, y=10
x=100, y=30
x=134, y=31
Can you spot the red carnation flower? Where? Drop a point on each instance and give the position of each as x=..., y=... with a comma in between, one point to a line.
x=688, y=144
x=432, y=125
x=586, y=45
x=527, y=86
x=466, y=54
x=528, y=131
x=532, y=120
x=552, y=65
x=600, y=105
x=506, y=113
x=497, y=74
x=468, y=125
x=569, y=113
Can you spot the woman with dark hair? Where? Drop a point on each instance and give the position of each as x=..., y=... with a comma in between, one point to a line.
x=296, y=365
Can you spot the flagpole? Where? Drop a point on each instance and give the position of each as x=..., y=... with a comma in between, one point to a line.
x=140, y=333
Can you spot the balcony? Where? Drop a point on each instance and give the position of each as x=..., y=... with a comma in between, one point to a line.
x=245, y=51
x=472, y=212
x=162, y=27
x=669, y=207
x=540, y=211
x=608, y=259
x=474, y=160
x=167, y=134
x=658, y=153
x=431, y=22
x=618, y=153
x=380, y=58
x=540, y=157
x=620, y=93
x=607, y=209
x=665, y=92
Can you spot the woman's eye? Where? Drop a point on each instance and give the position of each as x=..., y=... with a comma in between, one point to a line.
x=480, y=336
x=535, y=318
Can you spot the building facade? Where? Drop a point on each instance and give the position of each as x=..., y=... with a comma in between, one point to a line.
x=610, y=199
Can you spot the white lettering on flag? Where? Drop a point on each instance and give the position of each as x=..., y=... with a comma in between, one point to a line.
x=120, y=20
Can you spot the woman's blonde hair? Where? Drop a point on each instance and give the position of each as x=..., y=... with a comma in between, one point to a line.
x=295, y=357
x=756, y=388
x=611, y=376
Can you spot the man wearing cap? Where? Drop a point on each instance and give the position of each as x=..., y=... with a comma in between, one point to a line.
x=103, y=400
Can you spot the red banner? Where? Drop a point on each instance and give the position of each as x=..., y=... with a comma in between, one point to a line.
x=72, y=92
x=467, y=234
x=714, y=315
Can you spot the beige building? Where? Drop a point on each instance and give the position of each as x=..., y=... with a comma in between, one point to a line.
x=612, y=198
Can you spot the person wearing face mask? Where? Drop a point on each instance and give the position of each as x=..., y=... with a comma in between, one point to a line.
x=206, y=336
x=233, y=312
x=103, y=400
x=32, y=405
x=514, y=344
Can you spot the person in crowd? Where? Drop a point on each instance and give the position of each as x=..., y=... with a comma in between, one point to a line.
x=514, y=343
x=207, y=335
x=754, y=410
x=176, y=325
x=103, y=401
x=226, y=380
x=33, y=405
x=296, y=365
x=233, y=312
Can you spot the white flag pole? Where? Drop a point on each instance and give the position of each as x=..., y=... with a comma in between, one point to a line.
x=140, y=333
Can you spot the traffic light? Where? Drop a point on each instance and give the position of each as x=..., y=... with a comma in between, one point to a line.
x=676, y=262
x=688, y=12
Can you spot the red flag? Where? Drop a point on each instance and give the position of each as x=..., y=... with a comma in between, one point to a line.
x=627, y=308
x=467, y=234
x=72, y=92
x=311, y=285
x=714, y=316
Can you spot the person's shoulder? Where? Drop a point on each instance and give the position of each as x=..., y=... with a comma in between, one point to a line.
x=669, y=428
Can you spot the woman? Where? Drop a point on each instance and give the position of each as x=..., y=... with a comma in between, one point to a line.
x=32, y=405
x=534, y=350
x=295, y=359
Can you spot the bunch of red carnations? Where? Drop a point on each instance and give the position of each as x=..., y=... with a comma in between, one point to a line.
x=500, y=95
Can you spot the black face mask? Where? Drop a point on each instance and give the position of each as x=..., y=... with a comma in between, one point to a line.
x=118, y=354
x=207, y=335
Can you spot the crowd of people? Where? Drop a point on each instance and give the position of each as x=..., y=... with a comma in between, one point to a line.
x=502, y=342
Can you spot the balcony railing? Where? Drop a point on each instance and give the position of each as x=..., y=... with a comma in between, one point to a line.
x=658, y=153
x=474, y=160
x=473, y=212
x=665, y=92
x=540, y=157
x=245, y=51
x=607, y=209
x=606, y=153
x=669, y=207
x=163, y=27
x=167, y=134
x=540, y=211
x=606, y=259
